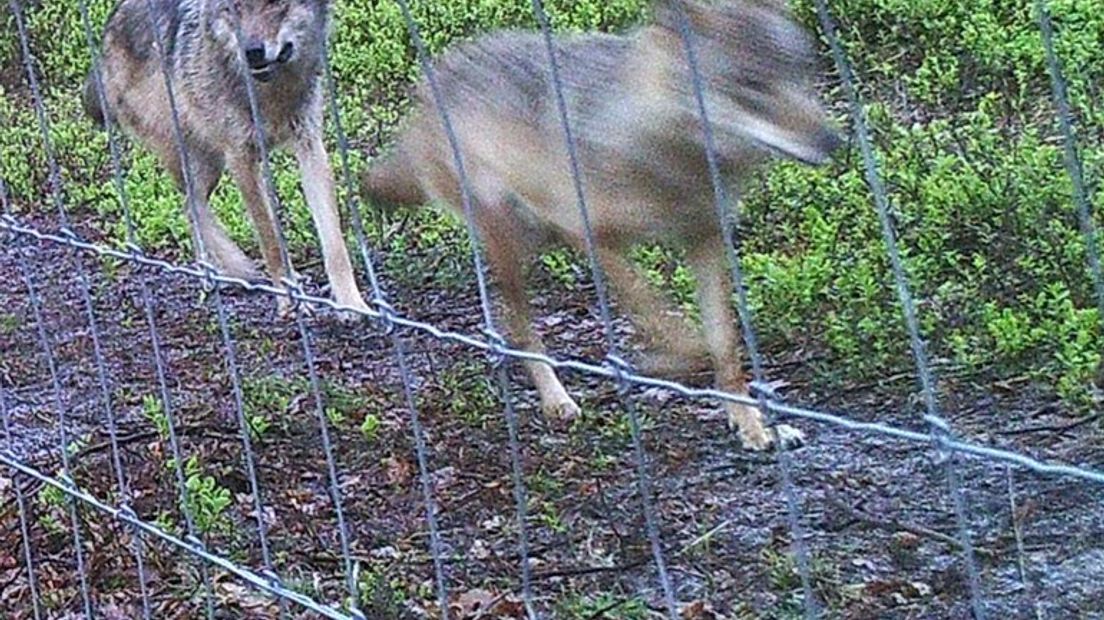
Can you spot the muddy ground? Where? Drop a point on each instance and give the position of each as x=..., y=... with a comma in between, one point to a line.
x=876, y=511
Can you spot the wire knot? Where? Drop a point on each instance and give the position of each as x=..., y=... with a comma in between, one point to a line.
x=293, y=290
x=67, y=481
x=940, y=432
x=66, y=232
x=386, y=313
x=621, y=369
x=134, y=251
x=208, y=269
x=764, y=390
x=938, y=424
x=273, y=579
x=496, y=354
x=127, y=513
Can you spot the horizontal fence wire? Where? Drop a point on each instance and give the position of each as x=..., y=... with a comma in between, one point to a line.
x=492, y=344
x=200, y=273
x=190, y=545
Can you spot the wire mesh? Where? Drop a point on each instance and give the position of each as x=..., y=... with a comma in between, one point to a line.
x=939, y=427
x=492, y=343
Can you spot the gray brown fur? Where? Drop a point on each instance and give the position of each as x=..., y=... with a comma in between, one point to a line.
x=642, y=159
x=282, y=51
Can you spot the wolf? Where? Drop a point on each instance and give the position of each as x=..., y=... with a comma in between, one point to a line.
x=641, y=159
x=281, y=50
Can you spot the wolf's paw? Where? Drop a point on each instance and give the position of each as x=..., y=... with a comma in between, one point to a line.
x=790, y=437
x=358, y=311
x=761, y=441
x=561, y=411
x=231, y=262
x=286, y=309
x=749, y=422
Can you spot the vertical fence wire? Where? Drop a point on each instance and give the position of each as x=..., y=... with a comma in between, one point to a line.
x=228, y=344
x=1074, y=167
x=269, y=183
x=398, y=347
x=304, y=332
x=939, y=428
x=1021, y=554
x=21, y=507
x=56, y=192
x=54, y=182
x=722, y=204
x=497, y=341
x=63, y=434
x=187, y=176
x=613, y=355
x=20, y=501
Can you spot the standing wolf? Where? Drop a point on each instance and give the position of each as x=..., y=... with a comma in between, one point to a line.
x=282, y=44
x=642, y=160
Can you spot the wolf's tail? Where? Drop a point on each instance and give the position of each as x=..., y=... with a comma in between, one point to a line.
x=390, y=184
x=91, y=100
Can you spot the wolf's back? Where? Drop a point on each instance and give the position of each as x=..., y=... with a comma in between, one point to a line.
x=508, y=73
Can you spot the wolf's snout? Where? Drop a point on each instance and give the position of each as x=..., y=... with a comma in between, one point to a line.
x=256, y=56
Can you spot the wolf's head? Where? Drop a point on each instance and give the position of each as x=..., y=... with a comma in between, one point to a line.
x=276, y=35
x=757, y=65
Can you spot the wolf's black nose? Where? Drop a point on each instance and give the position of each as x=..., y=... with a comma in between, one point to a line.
x=256, y=57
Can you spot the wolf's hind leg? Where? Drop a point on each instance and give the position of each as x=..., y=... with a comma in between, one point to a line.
x=227, y=257
x=676, y=348
x=246, y=171
x=207, y=169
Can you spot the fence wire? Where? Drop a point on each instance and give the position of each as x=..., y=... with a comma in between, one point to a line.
x=939, y=427
x=492, y=343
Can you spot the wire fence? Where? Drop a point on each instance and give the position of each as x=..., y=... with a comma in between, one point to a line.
x=948, y=448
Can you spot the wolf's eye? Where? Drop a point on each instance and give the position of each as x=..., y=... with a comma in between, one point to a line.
x=755, y=84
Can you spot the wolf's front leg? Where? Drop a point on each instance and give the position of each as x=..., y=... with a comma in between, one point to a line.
x=507, y=259
x=318, y=187
x=715, y=298
x=246, y=171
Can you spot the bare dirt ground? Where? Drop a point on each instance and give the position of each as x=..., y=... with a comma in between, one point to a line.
x=876, y=511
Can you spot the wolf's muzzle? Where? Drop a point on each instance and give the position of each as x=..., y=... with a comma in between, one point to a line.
x=260, y=66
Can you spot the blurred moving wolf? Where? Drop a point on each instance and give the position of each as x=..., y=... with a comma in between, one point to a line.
x=282, y=48
x=642, y=159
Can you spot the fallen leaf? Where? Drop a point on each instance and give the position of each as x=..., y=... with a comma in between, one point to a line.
x=479, y=550
x=474, y=602
x=399, y=471
x=698, y=610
